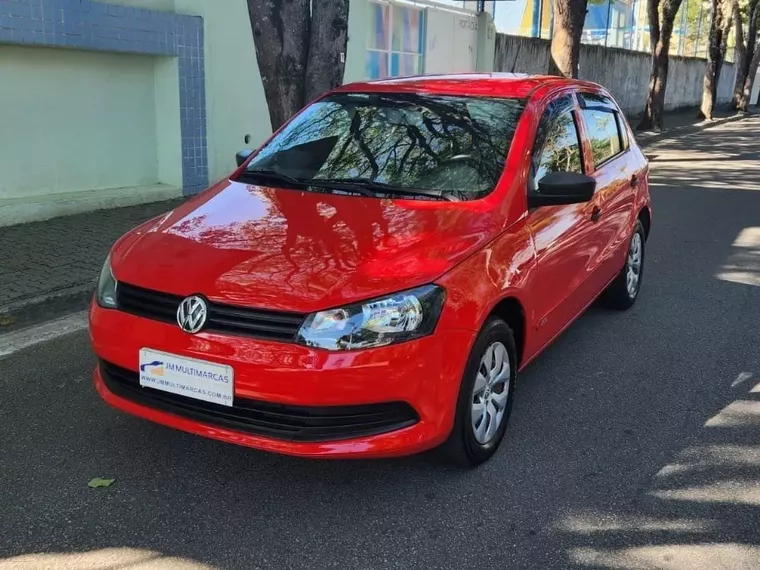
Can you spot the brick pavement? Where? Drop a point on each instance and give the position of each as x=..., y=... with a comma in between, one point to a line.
x=43, y=257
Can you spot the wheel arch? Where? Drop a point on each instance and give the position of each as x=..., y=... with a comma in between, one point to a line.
x=511, y=310
x=645, y=217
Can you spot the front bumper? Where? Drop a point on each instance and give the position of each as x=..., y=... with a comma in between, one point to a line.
x=422, y=375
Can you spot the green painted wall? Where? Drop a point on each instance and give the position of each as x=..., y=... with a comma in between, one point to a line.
x=168, y=128
x=140, y=121
x=163, y=5
x=75, y=120
x=235, y=102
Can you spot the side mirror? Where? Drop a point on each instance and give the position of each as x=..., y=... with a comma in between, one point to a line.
x=558, y=188
x=243, y=155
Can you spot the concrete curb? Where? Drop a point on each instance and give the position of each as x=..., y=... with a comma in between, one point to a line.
x=34, y=310
x=650, y=137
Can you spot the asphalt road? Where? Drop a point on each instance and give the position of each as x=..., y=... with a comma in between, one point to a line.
x=635, y=440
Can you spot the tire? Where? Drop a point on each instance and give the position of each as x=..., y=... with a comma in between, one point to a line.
x=619, y=296
x=463, y=447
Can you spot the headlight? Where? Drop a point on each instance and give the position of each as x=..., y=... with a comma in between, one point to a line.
x=395, y=318
x=106, y=294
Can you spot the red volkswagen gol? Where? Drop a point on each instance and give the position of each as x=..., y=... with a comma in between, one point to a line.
x=372, y=279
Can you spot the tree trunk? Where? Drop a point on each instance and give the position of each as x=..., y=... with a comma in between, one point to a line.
x=660, y=34
x=727, y=14
x=749, y=82
x=720, y=26
x=741, y=59
x=751, y=58
x=569, y=16
x=281, y=37
x=713, y=55
x=655, y=107
x=753, y=15
x=327, y=48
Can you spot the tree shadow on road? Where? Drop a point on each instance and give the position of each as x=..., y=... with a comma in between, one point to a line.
x=694, y=498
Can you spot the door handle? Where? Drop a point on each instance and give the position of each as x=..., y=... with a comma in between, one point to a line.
x=596, y=213
x=634, y=181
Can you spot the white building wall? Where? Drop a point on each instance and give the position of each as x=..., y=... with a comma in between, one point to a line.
x=448, y=34
x=452, y=42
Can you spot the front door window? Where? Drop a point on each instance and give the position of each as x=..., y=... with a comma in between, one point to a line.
x=557, y=147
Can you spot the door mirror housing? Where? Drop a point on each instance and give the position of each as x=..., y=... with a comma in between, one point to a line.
x=242, y=156
x=558, y=188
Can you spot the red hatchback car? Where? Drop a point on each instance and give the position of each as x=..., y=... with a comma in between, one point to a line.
x=373, y=278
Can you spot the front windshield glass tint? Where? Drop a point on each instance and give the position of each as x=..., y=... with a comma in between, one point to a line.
x=457, y=145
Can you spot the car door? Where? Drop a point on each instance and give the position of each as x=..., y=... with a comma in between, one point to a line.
x=616, y=171
x=564, y=236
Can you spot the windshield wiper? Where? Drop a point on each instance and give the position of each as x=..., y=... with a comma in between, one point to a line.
x=342, y=185
x=303, y=183
x=363, y=186
x=275, y=176
x=383, y=188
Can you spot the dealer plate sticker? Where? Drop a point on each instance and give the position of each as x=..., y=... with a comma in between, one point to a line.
x=188, y=377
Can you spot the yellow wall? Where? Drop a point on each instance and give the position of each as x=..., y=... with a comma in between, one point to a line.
x=526, y=26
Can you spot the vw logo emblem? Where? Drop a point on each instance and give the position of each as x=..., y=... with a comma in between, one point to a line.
x=191, y=314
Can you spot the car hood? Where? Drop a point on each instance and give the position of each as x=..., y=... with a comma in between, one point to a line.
x=300, y=251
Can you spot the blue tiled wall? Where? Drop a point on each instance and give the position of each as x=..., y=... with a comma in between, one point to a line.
x=83, y=24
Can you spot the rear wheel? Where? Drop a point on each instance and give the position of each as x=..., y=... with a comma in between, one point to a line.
x=622, y=293
x=485, y=396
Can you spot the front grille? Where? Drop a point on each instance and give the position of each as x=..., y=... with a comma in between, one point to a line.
x=278, y=421
x=226, y=319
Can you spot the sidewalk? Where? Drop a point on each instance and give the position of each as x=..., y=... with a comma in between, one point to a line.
x=49, y=268
x=685, y=120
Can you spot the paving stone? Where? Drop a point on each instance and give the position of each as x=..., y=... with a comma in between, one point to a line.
x=43, y=257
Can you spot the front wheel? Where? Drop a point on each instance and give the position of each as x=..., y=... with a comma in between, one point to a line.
x=485, y=396
x=624, y=290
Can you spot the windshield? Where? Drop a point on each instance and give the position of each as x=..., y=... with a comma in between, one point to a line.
x=450, y=145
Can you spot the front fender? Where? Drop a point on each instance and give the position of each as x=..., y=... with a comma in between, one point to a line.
x=497, y=271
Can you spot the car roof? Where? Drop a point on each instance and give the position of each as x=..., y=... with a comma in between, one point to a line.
x=516, y=85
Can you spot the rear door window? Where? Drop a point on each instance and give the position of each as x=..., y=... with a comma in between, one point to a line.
x=604, y=125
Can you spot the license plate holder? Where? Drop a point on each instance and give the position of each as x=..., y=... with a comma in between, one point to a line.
x=189, y=377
